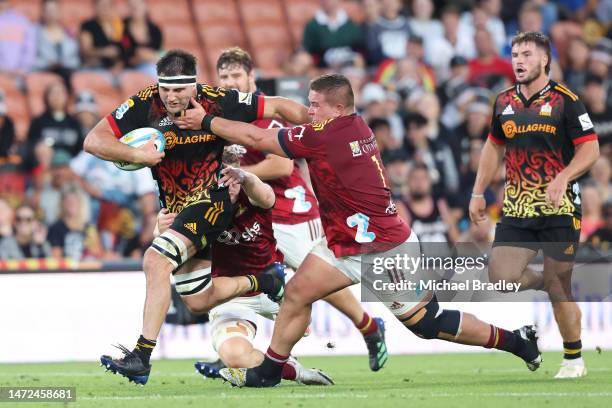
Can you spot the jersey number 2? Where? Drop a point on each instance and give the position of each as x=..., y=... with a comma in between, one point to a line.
x=298, y=193
x=361, y=221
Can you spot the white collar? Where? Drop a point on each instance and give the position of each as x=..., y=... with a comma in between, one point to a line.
x=323, y=19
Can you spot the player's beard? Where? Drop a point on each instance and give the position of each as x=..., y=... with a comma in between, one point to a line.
x=534, y=75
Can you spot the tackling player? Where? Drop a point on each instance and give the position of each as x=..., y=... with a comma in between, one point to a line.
x=186, y=174
x=358, y=216
x=295, y=216
x=547, y=139
x=247, y=247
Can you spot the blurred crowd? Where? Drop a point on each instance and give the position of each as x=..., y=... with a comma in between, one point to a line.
x=425, y=74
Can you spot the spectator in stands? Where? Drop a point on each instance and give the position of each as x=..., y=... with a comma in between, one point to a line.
x=72, y=236
x=397, y=164
x=300, y=64
x=55, y=127
x=577, y=62
x=591, y=210
x=601, y=238
x=600, y=59
x=29, y=239
x=135, y=247
x=7, y=133
x=86, y=111
x=487, y=63
x=17, y=41
x=56, y=50
x=440, y=51
x=435, y=154
x=449, y=91
x=422, y=22
x=6, y=219
x=475, y=126
x=384, y=139
x=387, y=38
x=601, y=177
x=100, y=38
x=142, y=39
x=594, y=95
x=485, y=16
x=331, y=37
x=49, y=185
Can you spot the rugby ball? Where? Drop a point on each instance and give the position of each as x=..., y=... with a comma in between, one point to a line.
x=137, y=138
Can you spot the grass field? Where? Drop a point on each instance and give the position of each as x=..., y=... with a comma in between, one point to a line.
x=441, y=380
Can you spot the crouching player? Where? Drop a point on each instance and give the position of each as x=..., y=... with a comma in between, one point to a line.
x=246, y=247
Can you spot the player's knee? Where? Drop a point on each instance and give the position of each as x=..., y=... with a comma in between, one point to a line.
x=435, y=323
x=154, y=265
x=169, y=247
x=498, y=271
x=295, y=293
x=236, y=352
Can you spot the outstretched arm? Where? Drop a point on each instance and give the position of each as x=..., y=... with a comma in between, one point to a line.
x=271, y=168
x=285, y=108
x=260, y=194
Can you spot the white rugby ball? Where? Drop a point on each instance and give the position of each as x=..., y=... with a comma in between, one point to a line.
x=137, y=138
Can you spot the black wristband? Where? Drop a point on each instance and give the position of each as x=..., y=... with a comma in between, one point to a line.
x=206, y=121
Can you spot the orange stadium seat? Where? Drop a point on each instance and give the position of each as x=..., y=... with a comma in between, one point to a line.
x=270, y=46
x=32, y=9
x=133, y=81
x=75, y=12
x=219, y=36
x=36, y=84
x=181, y=35
x=299, y=12
x=107, y=97
x=169, y=11
x=8, y=84
x=261, y=12
x=215, y=12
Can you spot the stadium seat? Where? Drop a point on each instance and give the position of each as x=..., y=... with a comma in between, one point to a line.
x=299, y=12
x=173, y=11
x=32, y=9
x=8, y=83
x=215, y=12
x=36, y=84
x=218, y=37
x=107, y=97
x=75, y=12
x=131, y=82
x=261, y=12
x=270, y=46
x=181, y=35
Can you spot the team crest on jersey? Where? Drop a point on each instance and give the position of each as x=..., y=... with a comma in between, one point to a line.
x=546, y=109
x=245, y=97
x=508, y=111
x=166, y=121
x=355, y=149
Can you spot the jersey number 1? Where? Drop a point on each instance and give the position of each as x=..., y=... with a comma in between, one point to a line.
x=300, y=205
x=361, y=221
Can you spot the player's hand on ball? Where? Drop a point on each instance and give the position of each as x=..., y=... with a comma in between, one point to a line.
x=164, y=220
x=555, y=191
x=231, y=175
x=191, y=118
x=148, y=155
x=477, y=209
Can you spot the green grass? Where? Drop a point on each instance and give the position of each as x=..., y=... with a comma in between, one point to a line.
x=435, y=380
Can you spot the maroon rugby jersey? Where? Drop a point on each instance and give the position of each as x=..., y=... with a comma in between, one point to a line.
x=248, y=246
x=348, y=177
x=295, y=203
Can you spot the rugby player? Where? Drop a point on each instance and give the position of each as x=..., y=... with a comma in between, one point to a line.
x=247, y=247
x=359, y=219
x=186, y=174
x=295, y=216
x=545, y=134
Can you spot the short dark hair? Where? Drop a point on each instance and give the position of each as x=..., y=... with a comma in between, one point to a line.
x=177, y=62
x=539, y=39
x=235, y=56
x=336, y=88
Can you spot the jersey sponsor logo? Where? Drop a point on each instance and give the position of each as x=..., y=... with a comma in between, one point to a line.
x=234, y=235
x=569, y=250
x=585, y=121
x=121, y=110
x=212, y=214
x=172, y=139
x=355, y=149
x=166, y=121
x=511, y=129
x=546, y=110
x=508, y=111
x=245, y=98
x=191, y=226
x=297, y=132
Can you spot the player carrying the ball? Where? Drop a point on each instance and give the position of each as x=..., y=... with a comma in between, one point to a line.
x=186, y=174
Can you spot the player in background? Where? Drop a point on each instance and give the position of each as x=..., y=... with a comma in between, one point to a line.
x=247, y=247
x=186, y=174
x=547, y=139
x=359, y=219
x=295, y=216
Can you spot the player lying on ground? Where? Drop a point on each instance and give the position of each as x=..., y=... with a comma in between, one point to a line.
x=295, y=216
x=541, y=120
x=186, y=174
x=359, y=217
x=247, y=247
